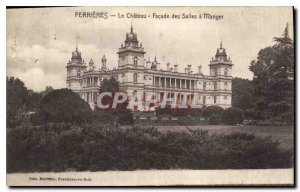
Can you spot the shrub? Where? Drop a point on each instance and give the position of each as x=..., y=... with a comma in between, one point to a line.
x=187, y=120
x=124, y=117
x=63, y=105
x=232, y=116
x=267, y=122
x=102, y=117
x=211, y=110
x=215, y=119
x=287, y=117
x=120, y=117
x=97, y=147
x=167, y=110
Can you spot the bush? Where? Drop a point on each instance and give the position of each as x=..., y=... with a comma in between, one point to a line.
x=62, y=146
x=124, y=117
x=287, y=117
x=215, y=119
x=232, y=116
x=103, y=117
x=211, y=110
x=63, y=105
x=120, y=117
x=187, y=120
x=268, y=122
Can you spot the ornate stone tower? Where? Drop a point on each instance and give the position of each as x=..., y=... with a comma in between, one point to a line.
x=221, y=65
x=220, y=68
x=75, y=68
x=132, y=53
x=132, y=63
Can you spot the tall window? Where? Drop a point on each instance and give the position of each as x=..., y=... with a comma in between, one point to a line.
x=226, y=72
x=204, y=85
x=79, y=73
x=135, y=61
x=204, y=99
x=215, y=99
x=215, y=86
x=135, y=78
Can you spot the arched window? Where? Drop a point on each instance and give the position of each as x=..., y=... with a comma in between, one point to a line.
x=134, y=93
x=135, y=61
x=226, y=72
x=204, y=85
x=204, y=99
x=215, y=99
x=79, y=73
x=135, y=78
x=225, y=86
x=215, y=86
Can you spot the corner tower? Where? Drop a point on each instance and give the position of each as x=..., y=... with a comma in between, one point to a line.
x=75, y=68
x=220, y=69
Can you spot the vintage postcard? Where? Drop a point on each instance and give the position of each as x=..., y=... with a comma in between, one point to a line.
x=150, y=96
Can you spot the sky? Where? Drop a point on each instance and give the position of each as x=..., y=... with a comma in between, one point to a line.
x=40, y=41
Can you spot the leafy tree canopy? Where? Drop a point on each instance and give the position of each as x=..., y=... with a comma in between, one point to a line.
x=273, y=79
x=64, y=105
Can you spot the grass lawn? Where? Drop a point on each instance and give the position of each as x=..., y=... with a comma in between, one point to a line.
x=283, y=134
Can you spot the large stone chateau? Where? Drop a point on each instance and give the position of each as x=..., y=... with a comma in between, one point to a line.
x=136, y=74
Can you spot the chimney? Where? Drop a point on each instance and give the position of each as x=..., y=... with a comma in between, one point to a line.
x=158, y=66
x=91, y=65
x=168, y=66
x=175, y=68
x=103, y=67
x=189, y=68
x=200, y=69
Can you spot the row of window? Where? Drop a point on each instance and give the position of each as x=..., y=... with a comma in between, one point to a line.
x=203, y=99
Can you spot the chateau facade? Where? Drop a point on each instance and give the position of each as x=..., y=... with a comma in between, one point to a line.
x=136, y=74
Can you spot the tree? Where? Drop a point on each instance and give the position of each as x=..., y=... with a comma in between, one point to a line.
x=242, y=93
x=19, y=100
x=16, y=95
x=63, y=105
x=232, y=116
x=273, y=79
x=121, y=113
x=33, y=101
x=112, y=86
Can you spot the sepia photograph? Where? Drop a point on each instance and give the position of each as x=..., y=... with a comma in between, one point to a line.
x=150, y=96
